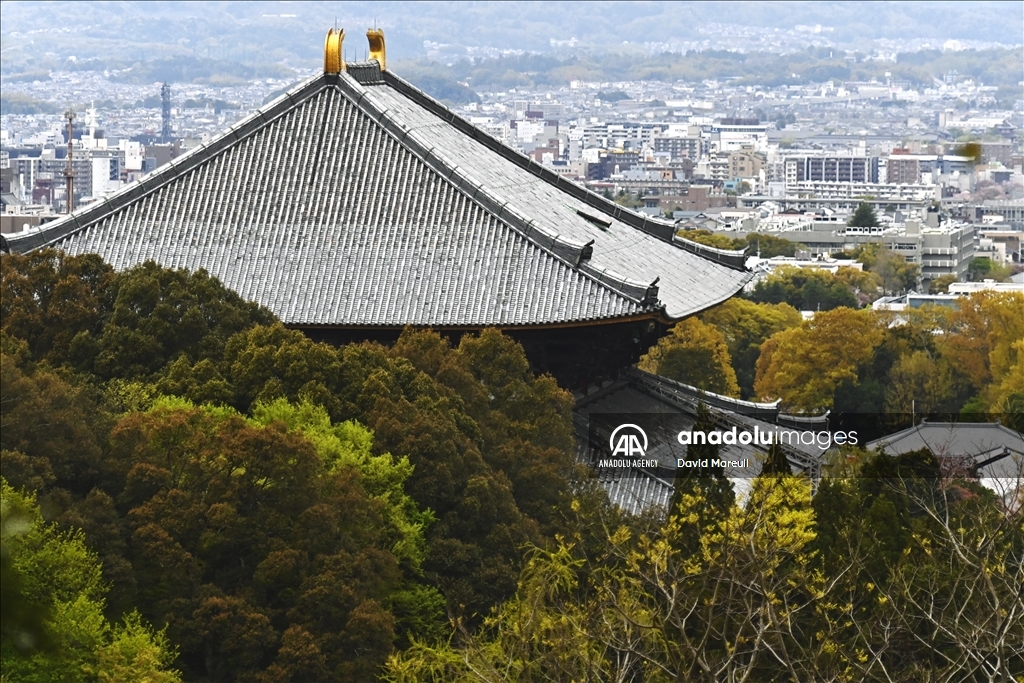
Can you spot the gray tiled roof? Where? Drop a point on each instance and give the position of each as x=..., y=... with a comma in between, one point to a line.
x=643, y=393
x=364, y=203
x=983, y=442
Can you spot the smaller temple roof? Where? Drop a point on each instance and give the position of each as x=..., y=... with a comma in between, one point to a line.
x=983, y=443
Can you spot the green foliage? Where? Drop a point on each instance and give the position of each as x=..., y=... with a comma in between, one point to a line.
x=349, y=444
x=746, y=325
x=76, y=312
x=628, y=200
x=708, y=238
x=292, y=542
x=682, y=601
x=875, y=578
x=22, y=619
x=805, y=289
x=135, y=654
x=898, y=275
x=940, y=285
x=767, y=246
x=920, y=383
x=864, y=217
x=246, y=532
x=56, y=574
x=194, y=69
x=972, y=150
x=982, y=268
x=270, y=362
x=895, y=272
x=51, y=429
x=291, y=510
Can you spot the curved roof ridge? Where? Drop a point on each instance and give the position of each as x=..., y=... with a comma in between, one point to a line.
x=662, y=230
x=352, y=203
x=84, y=216
x=572, y=252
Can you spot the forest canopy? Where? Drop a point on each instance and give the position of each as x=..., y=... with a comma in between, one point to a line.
x=283, y=508
x=193, y=492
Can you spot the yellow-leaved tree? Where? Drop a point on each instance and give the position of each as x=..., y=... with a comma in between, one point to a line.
x=727, y=598
x=746, y=325
x=983, y=345
x=694, y=353
x=805, y=365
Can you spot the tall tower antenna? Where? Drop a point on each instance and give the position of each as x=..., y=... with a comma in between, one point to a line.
x=69, y=170
x=165, y=97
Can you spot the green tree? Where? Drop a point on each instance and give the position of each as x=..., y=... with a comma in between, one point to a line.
x=983, y=268
x=746, y=325
x=767, y=245
x=806, y=289
x=867, y=253
x=135, y=654
x=267, y=362
x=160, y=315
x=866, y=286
x=940, y=285
x=863, y=217
x=897, y=274
x=742, y=604
x=75, y=311
x=55, y=573
x=921, y=384
x=240, y=532
x=52, y=430
x=708, y=238
x=56, y=303
x=907, y=552
x=350, y=444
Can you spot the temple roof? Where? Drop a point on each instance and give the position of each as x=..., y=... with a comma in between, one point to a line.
x=355, y=200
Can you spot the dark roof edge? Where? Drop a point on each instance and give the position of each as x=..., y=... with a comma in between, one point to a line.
x=661, y=386
x=572, y=253
x=96, y=211
x=650, y=314
x=712, y=253
x=661, y=230
x=748, y=276
x=664, y=388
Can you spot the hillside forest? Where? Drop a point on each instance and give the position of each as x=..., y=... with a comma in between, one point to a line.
x=193, y=492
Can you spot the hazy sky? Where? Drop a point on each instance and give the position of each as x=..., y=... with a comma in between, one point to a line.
x=293, y=31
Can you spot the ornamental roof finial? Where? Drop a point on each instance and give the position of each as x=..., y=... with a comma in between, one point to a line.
x=333, y=61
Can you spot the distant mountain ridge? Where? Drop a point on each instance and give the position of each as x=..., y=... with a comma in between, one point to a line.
x=290, y=33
